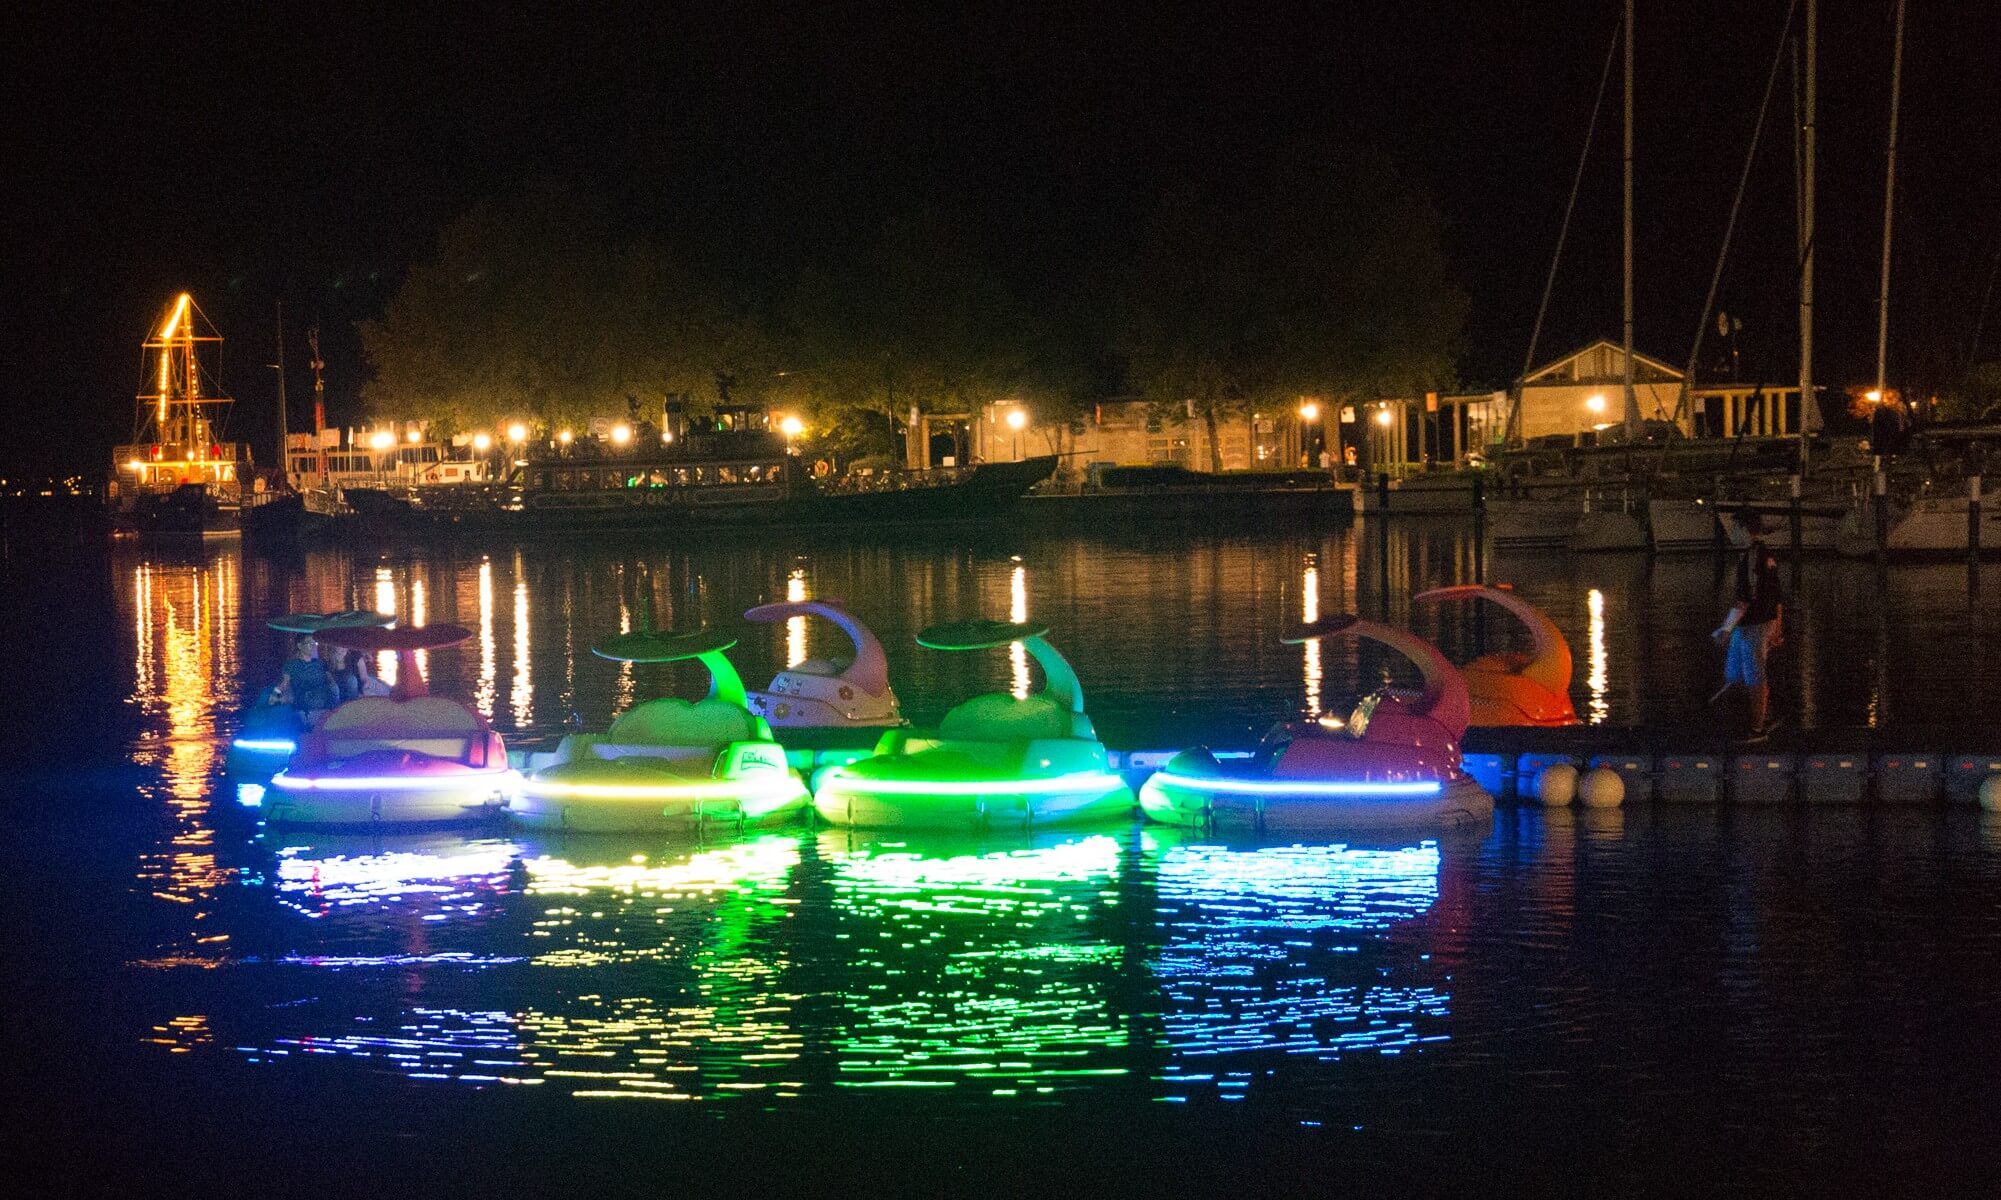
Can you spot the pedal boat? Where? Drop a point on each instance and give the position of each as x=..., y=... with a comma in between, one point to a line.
x=1512, y=688
x=994, y=762
x=821, y=710
x=1392, y=764
x=409, y=758
x=270, y=732
x=667, y=764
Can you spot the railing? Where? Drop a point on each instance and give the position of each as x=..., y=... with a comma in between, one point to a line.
x=894, y=481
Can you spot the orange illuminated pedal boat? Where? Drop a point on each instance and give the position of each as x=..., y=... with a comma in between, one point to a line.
x=1510, y=687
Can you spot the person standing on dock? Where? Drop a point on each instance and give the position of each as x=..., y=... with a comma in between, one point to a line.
x=1752, y=627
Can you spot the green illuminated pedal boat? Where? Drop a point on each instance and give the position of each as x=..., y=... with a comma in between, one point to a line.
x=995, y=762
x=667, y=764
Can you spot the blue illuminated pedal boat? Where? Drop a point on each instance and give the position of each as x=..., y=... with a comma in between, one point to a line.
x=1393, y=763
x=666, y=764
x=409, y=758
x=270, y=732
x=995, y=762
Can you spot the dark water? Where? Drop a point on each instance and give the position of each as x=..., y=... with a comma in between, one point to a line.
x=1660, y=998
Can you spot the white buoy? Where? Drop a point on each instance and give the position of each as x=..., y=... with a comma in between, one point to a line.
x=1601, y=787
x=1990, y=793
x=1556, y=785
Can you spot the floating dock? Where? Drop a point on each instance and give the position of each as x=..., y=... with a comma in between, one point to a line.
x=1815, y=767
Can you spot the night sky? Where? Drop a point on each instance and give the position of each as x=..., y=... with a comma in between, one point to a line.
x=312, y=152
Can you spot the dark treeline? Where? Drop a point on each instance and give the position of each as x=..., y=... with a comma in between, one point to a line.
x=1323, y=276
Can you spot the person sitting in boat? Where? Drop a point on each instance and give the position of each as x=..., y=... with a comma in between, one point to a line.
x=367, y=682
x=342, y=670
x=306, y=685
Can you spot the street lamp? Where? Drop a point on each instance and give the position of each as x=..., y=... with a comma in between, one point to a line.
x=414, y=436
x=482, y=442
x=621, y=434
x=1017, y=420
x=379, y=441
x=791, y=426
x=517, y=433
x=1595, y=405
x=1384, y=417
x=1309, y=412
x=566, y=437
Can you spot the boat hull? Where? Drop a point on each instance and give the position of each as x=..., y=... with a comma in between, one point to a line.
x=471, y=799
x=984, y=493
x=1186, y=801
x=627, y=796
x=972, y=807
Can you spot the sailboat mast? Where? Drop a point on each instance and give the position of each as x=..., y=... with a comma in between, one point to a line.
x=1889, y=204
x=1809, y=411
x=319, y=403
x=284, y=463
x=1632, y=404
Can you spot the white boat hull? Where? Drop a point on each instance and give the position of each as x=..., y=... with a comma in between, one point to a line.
x=1532, y=524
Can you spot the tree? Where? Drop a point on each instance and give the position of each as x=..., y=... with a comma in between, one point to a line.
x=534, y=308
x=1325, y=277
x=916, y=321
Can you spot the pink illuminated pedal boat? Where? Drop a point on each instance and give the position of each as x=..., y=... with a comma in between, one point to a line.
x=408, y=758
x=1392, y=764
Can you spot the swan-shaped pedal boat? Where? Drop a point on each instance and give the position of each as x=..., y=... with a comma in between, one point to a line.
x=668, y=763
x=994, y=762
x=1393, y=764
x=1509, y=687
x=403, y=759
x=270, y=732
x=820, y=705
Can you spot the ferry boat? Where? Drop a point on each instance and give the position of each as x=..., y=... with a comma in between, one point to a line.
x=740, y=474
x=178, y=477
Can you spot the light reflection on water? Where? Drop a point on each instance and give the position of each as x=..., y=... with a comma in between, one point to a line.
x=794, y=965
x=185, y=675
x=793, y=962
x=1264, y=959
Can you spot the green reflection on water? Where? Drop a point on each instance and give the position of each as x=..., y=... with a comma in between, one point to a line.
x=788, y=964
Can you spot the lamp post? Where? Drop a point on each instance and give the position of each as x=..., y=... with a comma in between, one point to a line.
x=380, y=441
x=1017, y=420
x=1309, y=412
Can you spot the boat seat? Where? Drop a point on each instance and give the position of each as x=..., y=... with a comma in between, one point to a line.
x=612, y=751
x=418, y=716
x=999, y=717
x=456, y=749
x=672, y=721
x=818, y=666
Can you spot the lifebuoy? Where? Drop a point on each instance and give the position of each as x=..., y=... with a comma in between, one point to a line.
x=822, y=468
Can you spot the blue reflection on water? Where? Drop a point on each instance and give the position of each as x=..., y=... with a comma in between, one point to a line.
x=1265, y=957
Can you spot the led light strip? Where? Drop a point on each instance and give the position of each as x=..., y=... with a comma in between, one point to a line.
x=287, y=781
x=266, y=745
x=838, y=779
x=1285, y=787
